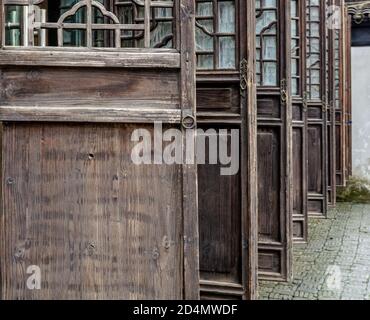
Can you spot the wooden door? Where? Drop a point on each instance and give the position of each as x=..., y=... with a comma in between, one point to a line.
x=77, y=79
x=226, y=101
x=316, y=108
x=299, y=120
x=334, y=15
x=347, y=99
x=339, y=98
x=274, y=138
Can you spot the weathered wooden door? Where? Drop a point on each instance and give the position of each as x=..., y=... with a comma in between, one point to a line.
x=333, y=25
x=226, y=101
x=339, y=96
x=299, y=120
x=274, y=138
x=316, y=107
x=81, y=84
x=347, y=99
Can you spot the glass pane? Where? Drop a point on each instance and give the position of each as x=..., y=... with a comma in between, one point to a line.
x=13, y=25
x=295, y=87
x=205, y=9
x=226, y=53
x=204, y=42
x=269, y=48
x=270, y=74
x=226, y=15
x=205, y=62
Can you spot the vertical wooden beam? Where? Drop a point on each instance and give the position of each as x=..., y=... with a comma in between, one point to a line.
x=147, y=23
x=89, y=24
x=190, y=191
x=288, y=136
x=2, y=22
x=249, y=153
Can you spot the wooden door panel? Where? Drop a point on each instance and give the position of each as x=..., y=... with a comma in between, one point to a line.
x=219, y=225
x=97, y=225
x=331, y=94
x=317, y=101
x=226, y=99
x=299, y=120
x=71, y=87
x=299, y=184
x=315, y=160
x=218, y=98
x=75, y=204
x=274, y=139
x=347, y=99
x=269, y=168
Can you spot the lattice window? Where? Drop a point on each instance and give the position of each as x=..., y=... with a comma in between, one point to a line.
x=216, y=34
x=314, y=47
x=337, y=95
x=296, y=46
x=89, y=23
x=267, y=42
x=327, y=56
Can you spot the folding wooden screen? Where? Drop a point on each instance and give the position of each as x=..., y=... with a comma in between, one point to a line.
x=299, y=120
x=316, y=107
x=226, y=100
x=74, y=204
x=274, y=138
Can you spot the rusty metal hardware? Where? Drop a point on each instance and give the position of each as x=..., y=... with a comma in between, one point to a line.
x=188, y=122
x=244, y=81
x=284, y=90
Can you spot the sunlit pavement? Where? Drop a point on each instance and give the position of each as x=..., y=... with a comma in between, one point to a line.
x=335, y=264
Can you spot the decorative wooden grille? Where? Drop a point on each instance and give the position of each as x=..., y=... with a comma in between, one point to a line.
x=89, y=23
x=296, y=43
x=337, y=68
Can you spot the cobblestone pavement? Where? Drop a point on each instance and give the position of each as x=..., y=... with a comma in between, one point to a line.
x=335, y=264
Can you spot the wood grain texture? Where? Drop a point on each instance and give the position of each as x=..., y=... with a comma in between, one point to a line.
x=190, y=174
x=219, y=225
x=97, y=225
x=88, y=87
x=125, y=58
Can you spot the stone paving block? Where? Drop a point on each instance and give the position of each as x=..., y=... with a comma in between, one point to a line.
x=342, y=240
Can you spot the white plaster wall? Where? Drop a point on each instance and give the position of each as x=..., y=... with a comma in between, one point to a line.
x=361, y=111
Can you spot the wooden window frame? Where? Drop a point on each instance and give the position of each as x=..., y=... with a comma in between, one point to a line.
x=216, y=35
x=89, y=56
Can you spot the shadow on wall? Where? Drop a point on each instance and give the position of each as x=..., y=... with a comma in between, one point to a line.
x=356, y=191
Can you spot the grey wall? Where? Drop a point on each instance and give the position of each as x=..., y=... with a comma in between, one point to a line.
x=361, y=111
